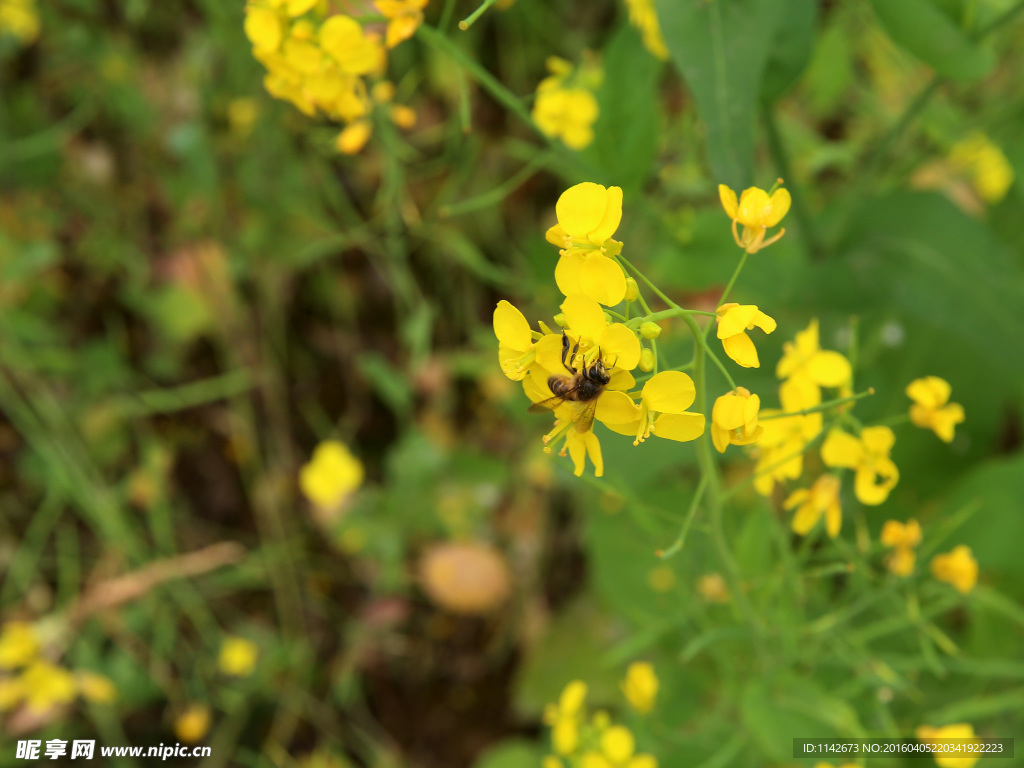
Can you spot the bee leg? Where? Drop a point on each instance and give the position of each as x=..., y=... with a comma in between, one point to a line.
x=565, y=352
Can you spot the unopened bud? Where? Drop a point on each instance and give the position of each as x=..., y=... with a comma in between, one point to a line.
x=560, y=319
x=646, y=360
x=650, y=330
x=632, y=289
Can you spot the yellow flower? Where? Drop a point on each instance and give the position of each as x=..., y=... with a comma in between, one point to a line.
x=20, y=19
x=550, y=761
x=237, y=657
x=808, y=366
x=565, y=717
x=588, y=215
x=712, y=588
x=821, y=499
x=876, y=474
x=734, y=419
x=96, y=688
x=643, y=16
x=756, y=211
x=641, y=686
x=926, y=734
x=991, y=173
x=563, y=110
x=902, y=537
x=19, y=644
x=404, y=18
x=958, y=568
x=586, y=324
x=192, y=724
x=12, y=691
x=46, y=685
x=662, y=410
x=618, y=744
x=782, y=444
x=733, y=322
x=331, y=475
x=932, y=409
x=355, y=52
x=516, y=348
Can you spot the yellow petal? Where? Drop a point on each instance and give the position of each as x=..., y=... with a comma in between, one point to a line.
x=602, y=279
x=930, y=391
x=581, y=209
x=867, y=488
x=611, y=218
x=263, y=28
x=719, y=436
x=805, y=519
x=669, y=392
x=681, y=427
x=619, y=346
x=621, y=380
x=742, y=350
x=754, y=203
x=617, y=408
x=582, y=445
x=842, y=449
x=728, y=412
x=556, y=235
x=945, y=420
x=299, y=7
x=780, y=203
x=764, y=322
x=549, y=354
x=728, y=198
x=510, y=327
x=735, y=320
x=878, y=440
x=829, y=369
x=833, y=519
x=585, y=317
x=569, y=273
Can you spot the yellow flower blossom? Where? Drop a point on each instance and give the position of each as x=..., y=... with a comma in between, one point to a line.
x=588, y=215
x=926, y=733
x=404, y=18
x=641, y=686
x=806, y=364
x=810, y=505
x=876, y=474
x=643, y=16
x=20, y=19
x=19, y=644
x=237, y=657
x=587, y=325
x=46, y=685
x=712, y=588
x=565, y=718
x=12, y=691
x=192, y=724
x=565, y=107
x=516, y=348
x=902, y=537
x=991, y=173
x=96, y=688
x=734, y=419
x=331, y=475
x=957, y=567
x=757, y=212
x=662, y=410
x=782, y=444
x=734, y=320
x=618, y=744
x=932, y=409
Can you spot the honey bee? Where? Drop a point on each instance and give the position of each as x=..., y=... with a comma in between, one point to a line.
x=584, y=386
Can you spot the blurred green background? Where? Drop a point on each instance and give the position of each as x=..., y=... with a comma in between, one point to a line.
x=196, y=290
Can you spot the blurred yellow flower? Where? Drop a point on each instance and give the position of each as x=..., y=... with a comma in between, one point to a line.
x=643, y=16
x=565, y=716
x=96, y=688
x=734, y=320
x=404, y=18
x=932, y=409
x=331, y=475
x=12, y=691
x=618, y=744
x=564, y=107
x=875, y=473
x=192, y=724
x=810, y=505
x=20, y=19
x=641, y=686
x=782, y=444
x=808, y=366
x=734, y=419
x=991, y=173
x=756, y=211
x=19, y=644
x=46, y=685
x=957, y=567
x=926, y=733
x=588, y=215
x=516, y=348
x=902, y=537
x=712, y=588
x=237, y=656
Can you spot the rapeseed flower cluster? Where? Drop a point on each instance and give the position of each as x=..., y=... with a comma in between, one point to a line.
x=29, y=679
x=902, y=538
x=596, y=741
x=322, y=63
x=565, y=107
x=20, y=19
x=990, y=172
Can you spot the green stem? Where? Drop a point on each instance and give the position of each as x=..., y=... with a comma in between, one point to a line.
x=649, y=284
x=828, y=404
x=677, y=545
x=470, y=20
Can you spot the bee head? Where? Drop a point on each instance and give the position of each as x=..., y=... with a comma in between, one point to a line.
x=597, y=372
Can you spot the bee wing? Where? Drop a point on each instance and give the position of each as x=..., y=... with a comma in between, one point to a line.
x=585, y=420
x=546, y=405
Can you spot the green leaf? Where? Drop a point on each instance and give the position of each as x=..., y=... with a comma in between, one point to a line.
x=926, y=31
x=514, y=753
x=721, y=49
x=626, y=133
x=791, y=50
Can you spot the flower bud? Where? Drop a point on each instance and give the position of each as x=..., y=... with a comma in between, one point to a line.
x=632, y=289
x=646, y=360
x=561, y=321
x=650, y=330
